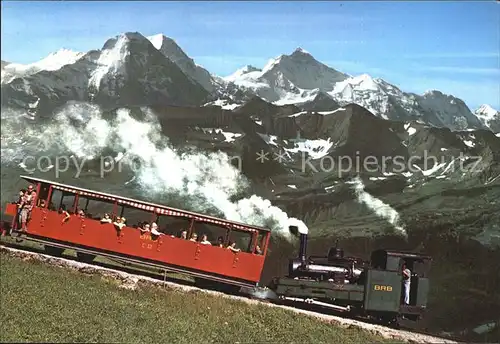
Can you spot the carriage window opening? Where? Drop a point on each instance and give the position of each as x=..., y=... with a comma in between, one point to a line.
x=95, y=208
x=56, y=199
x=261, y=242
x=133, y=216
x=213, y=232
x=68, y=201
x=242, y=239
x=44, y=193
x=173, y=225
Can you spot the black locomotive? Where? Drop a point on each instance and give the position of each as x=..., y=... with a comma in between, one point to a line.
x=373, y=289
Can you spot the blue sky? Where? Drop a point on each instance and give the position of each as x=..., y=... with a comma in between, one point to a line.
x=450, y=46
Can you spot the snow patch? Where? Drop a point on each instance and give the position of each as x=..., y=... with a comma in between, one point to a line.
x=315, y=148
x=110, y=60
x=469, y=143
x=269, y=139
x=378, y=178
x=434, y=169
x=330, y=112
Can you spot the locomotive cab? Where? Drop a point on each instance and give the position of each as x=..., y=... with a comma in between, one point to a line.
x=419, y=266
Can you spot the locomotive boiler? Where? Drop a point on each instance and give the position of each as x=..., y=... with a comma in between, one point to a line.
x=333, y=268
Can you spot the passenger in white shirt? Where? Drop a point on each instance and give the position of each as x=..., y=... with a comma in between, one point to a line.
x=204, y=240
x=154, y=229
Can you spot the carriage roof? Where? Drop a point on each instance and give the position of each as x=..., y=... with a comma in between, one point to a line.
x=148, y=206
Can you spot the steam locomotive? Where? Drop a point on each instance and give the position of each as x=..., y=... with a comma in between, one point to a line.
x=371, y=289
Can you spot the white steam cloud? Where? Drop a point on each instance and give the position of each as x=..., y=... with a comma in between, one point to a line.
x=381, y=209
x=207, y=180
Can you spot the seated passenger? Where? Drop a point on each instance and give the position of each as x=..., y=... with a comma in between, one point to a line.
x=80, y=213
x=106, y=219
x=154, y=229
x=204, y=240
x=232, y=247
x=66, y=214
x=258, y=250
x=184, y=234
x=220, y=241
x=194, y=237
x=144, y=227
x=119, y=222
x=42, y=204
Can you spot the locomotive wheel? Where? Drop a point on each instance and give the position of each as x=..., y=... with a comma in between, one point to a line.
x=85, y=257
x=53, y=251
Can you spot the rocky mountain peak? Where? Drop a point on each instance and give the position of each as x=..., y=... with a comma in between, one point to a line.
x=170, y=49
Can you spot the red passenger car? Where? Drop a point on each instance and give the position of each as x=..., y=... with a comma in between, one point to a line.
x=89, y=236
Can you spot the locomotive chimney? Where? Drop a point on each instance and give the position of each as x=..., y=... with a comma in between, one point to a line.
x=303, y=242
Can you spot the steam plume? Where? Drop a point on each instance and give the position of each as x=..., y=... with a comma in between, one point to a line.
x=204, y=181
x=381, y=209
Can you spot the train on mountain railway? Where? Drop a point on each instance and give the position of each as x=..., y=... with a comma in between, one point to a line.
x=94, y=224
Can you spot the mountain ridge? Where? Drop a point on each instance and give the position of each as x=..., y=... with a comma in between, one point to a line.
x=296, y=78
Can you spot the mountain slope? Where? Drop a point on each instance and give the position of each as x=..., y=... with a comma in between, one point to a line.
x=171, y=50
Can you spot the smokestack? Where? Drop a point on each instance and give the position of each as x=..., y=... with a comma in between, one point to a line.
x=303, y=242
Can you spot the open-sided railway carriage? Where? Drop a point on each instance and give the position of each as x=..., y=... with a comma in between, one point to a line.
x=89, y=237
x=347, y=284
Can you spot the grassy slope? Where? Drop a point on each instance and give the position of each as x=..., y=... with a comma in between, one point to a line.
x=51, y=304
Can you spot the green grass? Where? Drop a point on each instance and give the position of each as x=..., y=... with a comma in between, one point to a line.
x=45, y=303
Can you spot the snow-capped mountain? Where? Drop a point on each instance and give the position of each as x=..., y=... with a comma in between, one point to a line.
x=52, y=62
x=133, y=69
x=127, y=70
x=288, y=79
x=242, y=71
x=489, y=117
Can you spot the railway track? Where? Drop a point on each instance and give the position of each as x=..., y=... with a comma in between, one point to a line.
x=131, y=274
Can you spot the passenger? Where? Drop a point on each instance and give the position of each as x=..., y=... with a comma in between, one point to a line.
x=232, y=247
x=106, y=219
x=184, y=234
x=204, y=240
x=258, y=250
x=119, y=222
x=24, y=209
x=406, y=284
x=32, y=193
x=194, y=237
x=154, y=229
x=63, y=211
x=42, y=203
x=80, y=213
x=19, y=203
x=144, y=228
x=220, y=241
